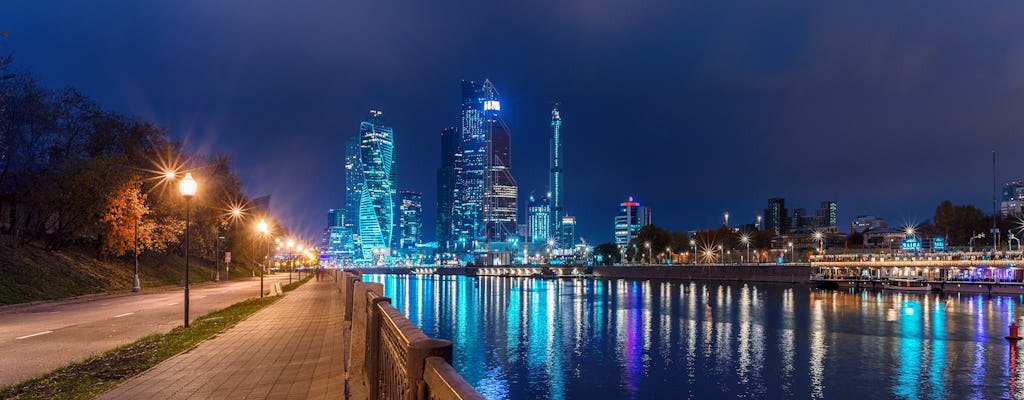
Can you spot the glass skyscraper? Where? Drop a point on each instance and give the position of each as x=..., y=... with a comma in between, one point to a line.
x=353, y=180
x=628, y=221
x=557, y=211
x=377, y=191
x=446, y=195
x=410, y=219
x=485, y=206
x=538, y=219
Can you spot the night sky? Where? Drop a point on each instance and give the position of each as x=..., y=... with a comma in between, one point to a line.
x=695, y=108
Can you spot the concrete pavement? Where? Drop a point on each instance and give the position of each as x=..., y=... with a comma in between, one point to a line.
x=39, y=338
x=293, y=349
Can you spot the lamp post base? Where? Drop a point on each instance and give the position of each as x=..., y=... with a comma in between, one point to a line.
x=136, y=287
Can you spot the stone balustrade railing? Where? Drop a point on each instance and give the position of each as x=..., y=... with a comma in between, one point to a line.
x=389, y=357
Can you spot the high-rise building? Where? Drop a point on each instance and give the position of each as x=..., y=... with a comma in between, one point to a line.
x=776, y=217
x=377, y=191
x=827, y=216
x=557, y=210
x=486, y=208
x=353, y=180
x=568, y=232
x=335, y=217
x=1013, y=199
x=410, y=219
x=446, y=194
x=628, y=221
x=538, y=219
x=799, y=219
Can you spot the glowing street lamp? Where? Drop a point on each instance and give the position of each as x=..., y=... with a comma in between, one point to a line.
x=649, y=258
x=187, y=187
x=693, y=247
x=745, y=239
x=791, y=256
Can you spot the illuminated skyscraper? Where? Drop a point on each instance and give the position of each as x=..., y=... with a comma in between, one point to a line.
x=335, y=217
x=538, y=219
x=353, y=180
x=776, y=216
x=377, y=192
x=568, y=233
x=556, y=174
x=628, y=221
x=446, y=194
x=410, y=219
x=486, y=209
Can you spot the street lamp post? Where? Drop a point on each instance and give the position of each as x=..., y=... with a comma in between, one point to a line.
x=216, y=278
x=792, y=256
x=745, y=239
x=649, y=253
x=971, y=242
x=693, y=247
x=265, y=231
x=136, y=286
x=187, y=187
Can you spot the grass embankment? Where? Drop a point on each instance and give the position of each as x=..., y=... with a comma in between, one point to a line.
x=32, y=274
x=89, y=378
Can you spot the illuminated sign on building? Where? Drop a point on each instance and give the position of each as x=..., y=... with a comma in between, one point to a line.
x=938, y=244
x=492, y=105
x=911, y=244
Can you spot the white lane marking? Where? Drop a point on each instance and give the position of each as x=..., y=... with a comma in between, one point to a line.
x=124, y=315
x=200, y=297
x=34, y=334
x=172, y=304
x=172, y=322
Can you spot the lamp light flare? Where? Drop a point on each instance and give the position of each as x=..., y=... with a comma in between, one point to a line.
x=188, y=185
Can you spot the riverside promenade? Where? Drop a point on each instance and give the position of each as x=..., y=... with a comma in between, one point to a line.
x=293, y=349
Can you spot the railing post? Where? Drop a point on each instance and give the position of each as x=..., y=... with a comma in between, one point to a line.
x=415, y=363
x=350, y=279
x=364, y=335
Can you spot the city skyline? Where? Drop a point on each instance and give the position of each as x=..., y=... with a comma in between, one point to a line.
x=800, y=103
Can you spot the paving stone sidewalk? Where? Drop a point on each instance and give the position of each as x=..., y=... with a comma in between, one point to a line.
x=293, y=349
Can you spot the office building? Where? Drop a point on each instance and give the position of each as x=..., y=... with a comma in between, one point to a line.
x=335, y=217
x=377, y=190
x=538, y=219
x=446, y=193
x=1012, y=204
x=827, y=217
x=568, y=232
x=486, y=207
x=410, y=219
x=628, y=221
x=353, y=179
x=776, y=217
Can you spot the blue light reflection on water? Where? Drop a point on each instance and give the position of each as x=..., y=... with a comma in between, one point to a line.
x=520, y=338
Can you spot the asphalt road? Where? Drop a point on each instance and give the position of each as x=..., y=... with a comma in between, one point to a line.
x=40, y=338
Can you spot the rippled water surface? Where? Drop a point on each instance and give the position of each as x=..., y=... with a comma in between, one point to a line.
x=523, y=338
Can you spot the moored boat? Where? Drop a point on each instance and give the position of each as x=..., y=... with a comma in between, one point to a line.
x=910, y=284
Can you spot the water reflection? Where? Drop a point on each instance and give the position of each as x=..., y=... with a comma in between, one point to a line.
x=521, y=338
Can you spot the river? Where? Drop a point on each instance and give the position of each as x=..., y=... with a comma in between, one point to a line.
x=527, y=338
